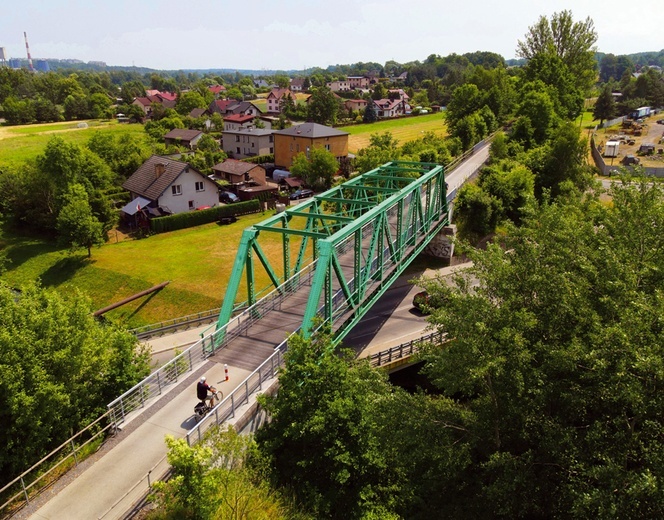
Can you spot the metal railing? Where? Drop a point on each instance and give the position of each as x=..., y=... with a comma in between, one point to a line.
x=59, y=460
x=163, y=327
x=170, y=373
x=404, y=350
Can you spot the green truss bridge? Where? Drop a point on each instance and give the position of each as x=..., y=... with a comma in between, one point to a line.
x=332, y=257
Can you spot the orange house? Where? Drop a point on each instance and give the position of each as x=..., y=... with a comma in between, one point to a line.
x=302, y=138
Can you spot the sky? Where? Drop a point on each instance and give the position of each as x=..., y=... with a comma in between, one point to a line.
x=298, y=34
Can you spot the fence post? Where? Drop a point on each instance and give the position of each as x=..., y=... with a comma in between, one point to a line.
x=25, y=491
x=233, y=405
x=73, y=450
x=159, y=382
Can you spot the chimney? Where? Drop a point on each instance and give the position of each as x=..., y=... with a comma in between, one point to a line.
x=159, y=169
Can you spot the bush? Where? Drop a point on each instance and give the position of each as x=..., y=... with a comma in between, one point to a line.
x=204, y=216
x=260, y=159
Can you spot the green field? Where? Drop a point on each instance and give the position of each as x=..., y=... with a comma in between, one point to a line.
x=403, y=129
x=21, y=143
x=197, y=262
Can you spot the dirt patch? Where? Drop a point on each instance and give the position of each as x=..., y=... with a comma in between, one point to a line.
x=651, y=133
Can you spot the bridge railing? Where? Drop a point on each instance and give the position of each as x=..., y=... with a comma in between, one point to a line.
x=404, y=350
x=70, y=453
x=171, y=372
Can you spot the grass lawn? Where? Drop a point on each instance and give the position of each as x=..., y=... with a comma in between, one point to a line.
x=197, y=262
x=403, y=129
x=21, y=143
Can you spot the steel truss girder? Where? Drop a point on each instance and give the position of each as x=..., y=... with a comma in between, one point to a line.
x=385, y=233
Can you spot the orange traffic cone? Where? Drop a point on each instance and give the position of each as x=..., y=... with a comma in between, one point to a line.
x=226, y=372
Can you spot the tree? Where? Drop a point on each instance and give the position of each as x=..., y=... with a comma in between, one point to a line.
x=60, y=366
x=556, y=360
x=573, y=42
x=76, y=224
x=466, y=99
x=187, y=101
x=323, y=106
x=369, y=113
x=321, y=441
x=382, y=148
x=317, y=170
x=605, y=106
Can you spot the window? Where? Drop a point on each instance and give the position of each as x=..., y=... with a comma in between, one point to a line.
x=191, y=204
x=272, y=139
x=238, y=150
x=327, y=147
x=237, y=138
x=271, y=149
x=253, y=145
x=297, y=147
x=176, y=189
x=200, y=186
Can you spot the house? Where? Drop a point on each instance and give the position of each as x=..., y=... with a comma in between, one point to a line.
x=183, y=137
x=339, y=86
x=358, y=82
x=297, y=85
x=217, y=90
x=355, y=104
x=261, y=83
x=239, y=173
x=390, y=107
x=232, y=106
x=239, y=121
x=302, y=138
x=198, y=112
x=160, y=98
x=241, y=138
x=398, y=92
x=171, y=186
x=275, y=97
x=145, y=104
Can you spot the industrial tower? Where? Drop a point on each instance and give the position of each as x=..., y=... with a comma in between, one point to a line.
x=27, y=48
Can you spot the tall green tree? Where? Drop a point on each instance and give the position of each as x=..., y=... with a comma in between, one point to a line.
x=76, y=224
x=573, y=42
x=321, y=441
x=605, y=106
x=59, y=367
x=556, y=358
x=323, y=106
x=317, y=170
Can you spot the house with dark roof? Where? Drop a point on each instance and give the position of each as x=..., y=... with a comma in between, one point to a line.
x=171, y=186
x=198, y=112
x=297, y=84
x=275, y=97
x=239, y=173
x=302, y=138
x=232, y=106
x=183, y=137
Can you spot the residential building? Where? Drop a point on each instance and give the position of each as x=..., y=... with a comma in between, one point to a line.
x=275, y=97
x=239, y=174
x=171, y=186
x=302, y=138
x=247, y=142
x=232, y=106
x=355, y=104
x=183, y=137
x=217, y=90
x=339, y=86
x=391, y=107
x=297, y=85
x=358, y=82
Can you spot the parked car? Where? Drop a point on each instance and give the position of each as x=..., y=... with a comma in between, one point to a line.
x=630, y=159
x=660, y=121
x=301, y=194
x=228, y=197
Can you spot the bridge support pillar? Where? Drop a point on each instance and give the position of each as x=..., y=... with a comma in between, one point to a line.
x=442, y=245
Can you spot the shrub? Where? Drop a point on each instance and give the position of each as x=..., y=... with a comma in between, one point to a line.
x=204, y=216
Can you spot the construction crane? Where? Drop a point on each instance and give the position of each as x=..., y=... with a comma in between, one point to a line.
x=27, y=48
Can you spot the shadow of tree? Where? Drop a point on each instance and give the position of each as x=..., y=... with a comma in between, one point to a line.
x=64, y=269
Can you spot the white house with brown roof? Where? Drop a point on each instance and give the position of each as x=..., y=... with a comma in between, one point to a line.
x=390, y=107
x=275, y=97
x=171, y=185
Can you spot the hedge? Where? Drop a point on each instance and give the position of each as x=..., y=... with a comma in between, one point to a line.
x=259, y=159
x=203, y=216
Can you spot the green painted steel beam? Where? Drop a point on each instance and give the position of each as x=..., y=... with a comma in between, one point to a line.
x=297, y=232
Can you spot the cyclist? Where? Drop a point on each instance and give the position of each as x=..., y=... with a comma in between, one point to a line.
x=204, y=391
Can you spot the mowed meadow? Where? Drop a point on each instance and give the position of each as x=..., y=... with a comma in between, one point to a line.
x=197, y=261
